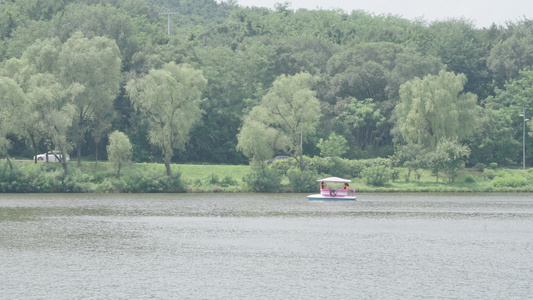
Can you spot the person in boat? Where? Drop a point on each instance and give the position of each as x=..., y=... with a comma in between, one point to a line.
x=346, y=186
x=323, y=185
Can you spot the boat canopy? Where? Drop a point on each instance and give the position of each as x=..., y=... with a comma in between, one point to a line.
x=334, y=179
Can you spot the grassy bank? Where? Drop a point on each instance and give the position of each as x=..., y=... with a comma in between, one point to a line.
x=149, y=177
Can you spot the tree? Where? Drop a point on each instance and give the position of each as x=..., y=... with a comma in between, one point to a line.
x=514, y=99
x=434, y=108
x=118, y=150
x=362, y=71
x=56, y=111
x=170, y=100
x=496, y=136
x=413, y=157
x=33, y=71
x=94, y=63
x=364, y=122
x=287, y=114
x=513, y=54
x=126, y=29
x=11, y=98
x=449, y=156
x=233, y=76
x=334, y=146
x=460, y=47
x=517, y=93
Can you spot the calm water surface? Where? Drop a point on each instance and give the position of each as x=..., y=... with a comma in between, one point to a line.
x=275, y=246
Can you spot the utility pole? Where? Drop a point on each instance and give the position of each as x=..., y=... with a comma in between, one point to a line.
x=168, y=13
x=524, y=139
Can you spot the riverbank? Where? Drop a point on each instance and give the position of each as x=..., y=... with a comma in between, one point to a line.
x=149, y=177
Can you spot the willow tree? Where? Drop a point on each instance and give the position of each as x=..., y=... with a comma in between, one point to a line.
x=11, y=99
x=170, y=99
x=47, y=111
x=56, y=111
x=94, y=63
x=434, y=107
x=287, y=114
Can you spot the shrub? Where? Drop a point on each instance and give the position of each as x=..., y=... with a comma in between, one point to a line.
x=355, y=168
x=176, y=185
x=336, y=166
x=78, y=182
x=479, y=167
x=340, y=167
x=395, y=174
x=317, y=164
x=49, y=167
x=509, y=181
x=111, y=185
x=212, y=178
x=302, y=181
x=227, y=181
x=489, y=174
x=153, y=181
x=469, y=178
x=264, y=180
x=493, y=165
x=44, y=182
x=283, y=165
x=10, y=180
x=377, y=175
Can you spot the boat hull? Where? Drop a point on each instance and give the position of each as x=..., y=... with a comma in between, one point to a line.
x=319, y=197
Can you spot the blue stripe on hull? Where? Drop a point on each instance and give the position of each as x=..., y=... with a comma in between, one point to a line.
x=322, y=198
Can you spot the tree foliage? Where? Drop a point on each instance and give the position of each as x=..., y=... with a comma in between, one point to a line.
x=287, y=114
x=118, y=150
x=11, y=96
x=433, y=108
x=170, y=99
x=94, y=63
x=334, y=146
x=448, y=156
x=78, y=54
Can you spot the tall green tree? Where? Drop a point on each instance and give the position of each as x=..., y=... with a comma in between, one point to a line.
x=515, y=98
x=170, y=100
x=94, y=63
x=517, y=94
x=233, y=76
x=363, y=122
x=433, y=108
x=11, y=99
x=459, y=45
x=57, y=111
x=512, y=54
x=496, y=138
x=287, y=114
x=37, y=62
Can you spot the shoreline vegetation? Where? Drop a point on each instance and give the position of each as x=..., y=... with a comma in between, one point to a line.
x=279, y=177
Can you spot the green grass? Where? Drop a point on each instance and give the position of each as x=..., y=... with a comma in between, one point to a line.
x=194, y=172
x=188, y=172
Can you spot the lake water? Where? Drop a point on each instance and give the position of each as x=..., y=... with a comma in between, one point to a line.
x=266, y=246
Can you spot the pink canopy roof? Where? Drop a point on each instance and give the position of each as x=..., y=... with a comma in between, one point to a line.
x=334, y=179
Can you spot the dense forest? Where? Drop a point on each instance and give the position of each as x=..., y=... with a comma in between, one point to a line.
x=72, y=72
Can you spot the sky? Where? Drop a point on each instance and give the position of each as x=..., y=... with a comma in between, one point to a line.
x=481, y=12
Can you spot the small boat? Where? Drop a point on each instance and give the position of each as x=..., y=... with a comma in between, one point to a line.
x=334, y=193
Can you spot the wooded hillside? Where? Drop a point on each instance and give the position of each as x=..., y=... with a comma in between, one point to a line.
x=382, y=82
